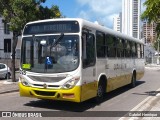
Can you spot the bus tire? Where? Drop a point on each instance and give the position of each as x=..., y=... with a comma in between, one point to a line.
x=100, y=92
x=133, y=81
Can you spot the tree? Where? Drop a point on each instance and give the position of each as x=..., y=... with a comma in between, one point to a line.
x=17, y=13
x=152, y=13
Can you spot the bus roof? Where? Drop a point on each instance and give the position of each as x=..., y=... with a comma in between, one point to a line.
x=94, y=25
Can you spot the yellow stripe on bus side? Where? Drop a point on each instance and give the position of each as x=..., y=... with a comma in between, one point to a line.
x=119, y=81
x=88, y=91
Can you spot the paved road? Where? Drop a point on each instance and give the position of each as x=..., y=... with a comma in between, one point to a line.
x=123, y=99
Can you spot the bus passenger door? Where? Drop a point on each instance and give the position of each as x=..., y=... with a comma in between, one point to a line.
x=89, y=85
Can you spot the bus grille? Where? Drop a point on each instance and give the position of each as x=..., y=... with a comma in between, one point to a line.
x=44, y=93
x=46, y=79
x=50, y=86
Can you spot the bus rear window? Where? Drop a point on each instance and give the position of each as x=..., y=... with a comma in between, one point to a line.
x=51, y=27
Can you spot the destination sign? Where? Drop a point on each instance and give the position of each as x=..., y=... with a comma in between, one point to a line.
x=52, y=27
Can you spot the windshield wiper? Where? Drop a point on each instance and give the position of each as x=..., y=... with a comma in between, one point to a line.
x=57, y=40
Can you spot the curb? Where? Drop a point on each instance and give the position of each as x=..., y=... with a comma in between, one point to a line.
x=9, y=91
x=7, y=86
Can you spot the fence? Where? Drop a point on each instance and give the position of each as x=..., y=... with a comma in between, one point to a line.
x=151, y=60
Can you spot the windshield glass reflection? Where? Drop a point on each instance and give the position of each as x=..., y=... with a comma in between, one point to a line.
x=41, y=54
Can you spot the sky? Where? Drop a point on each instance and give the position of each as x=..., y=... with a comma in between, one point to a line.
x=102, y=11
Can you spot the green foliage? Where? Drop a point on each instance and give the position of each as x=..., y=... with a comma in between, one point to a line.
x=46, y=13
x=155, y=45
x=18, y=12
x=152, y=12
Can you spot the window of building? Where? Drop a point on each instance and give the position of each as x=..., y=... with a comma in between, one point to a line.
x=135, y=34
x=6, y=28
x=7, y=45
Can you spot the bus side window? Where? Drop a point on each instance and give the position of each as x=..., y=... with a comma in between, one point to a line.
x=84, y=37
x=128, y=49
x=141, y=50
x=136, y=53
x=138, y=50
x=119, y=48
x=123, y=48
x=111, y=46
x=100, y=44
x=88, y=49
x=134, y=50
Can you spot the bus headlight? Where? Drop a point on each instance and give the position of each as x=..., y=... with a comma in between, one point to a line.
x=24, y=81
x=71, y=83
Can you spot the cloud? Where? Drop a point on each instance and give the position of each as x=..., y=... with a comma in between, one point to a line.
x=102, y=7
x=101, y=11
x=84, y=14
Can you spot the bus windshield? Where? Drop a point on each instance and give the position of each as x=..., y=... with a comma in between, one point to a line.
x=50, y=54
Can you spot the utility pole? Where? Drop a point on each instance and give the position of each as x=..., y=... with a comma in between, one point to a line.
x=158, y=52
x=7, y=61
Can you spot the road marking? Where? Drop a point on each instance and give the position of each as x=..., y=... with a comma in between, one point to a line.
x=145, y=105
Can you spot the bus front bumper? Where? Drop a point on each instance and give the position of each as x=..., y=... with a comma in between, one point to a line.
x=72, y=95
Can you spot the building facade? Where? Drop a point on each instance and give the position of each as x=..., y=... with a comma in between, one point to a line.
x=117, y=23
x=131, y=10
x=5, y=39
x=149, y=32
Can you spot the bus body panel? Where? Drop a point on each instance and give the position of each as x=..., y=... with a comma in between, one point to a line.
x=65, y=95
x=89, y=90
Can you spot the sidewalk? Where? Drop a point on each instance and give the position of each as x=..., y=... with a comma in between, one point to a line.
x=7, y=86
x=152, y=66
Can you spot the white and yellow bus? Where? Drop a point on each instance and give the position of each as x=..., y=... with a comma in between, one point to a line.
x=75, y=60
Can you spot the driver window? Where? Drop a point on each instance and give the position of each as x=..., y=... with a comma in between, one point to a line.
x=88, y=49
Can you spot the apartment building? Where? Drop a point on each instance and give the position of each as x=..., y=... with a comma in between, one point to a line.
x=131, y=10
x=117, y=23
x=149, y=32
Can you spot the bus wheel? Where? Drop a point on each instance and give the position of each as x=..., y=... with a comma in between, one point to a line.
x=133, y=82
x=100, y=93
